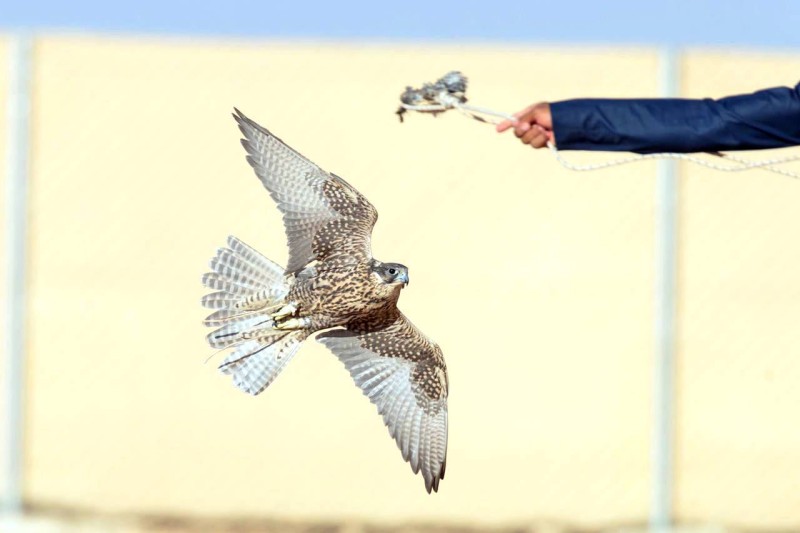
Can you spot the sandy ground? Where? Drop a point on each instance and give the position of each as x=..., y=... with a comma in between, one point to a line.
x=60, y=521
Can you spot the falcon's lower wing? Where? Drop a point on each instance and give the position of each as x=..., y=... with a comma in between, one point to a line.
x=404, y=375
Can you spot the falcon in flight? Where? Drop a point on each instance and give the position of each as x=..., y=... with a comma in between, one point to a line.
x=332, y=283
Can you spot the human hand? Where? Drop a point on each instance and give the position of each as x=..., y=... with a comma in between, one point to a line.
x=534, y=125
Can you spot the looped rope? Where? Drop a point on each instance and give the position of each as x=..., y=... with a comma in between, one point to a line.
x=743, y=164
x=444, y=100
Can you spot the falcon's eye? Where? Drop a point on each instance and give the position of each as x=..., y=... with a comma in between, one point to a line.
x=392, y=271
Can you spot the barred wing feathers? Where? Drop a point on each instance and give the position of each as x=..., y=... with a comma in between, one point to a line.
x=324, y=216
x=404, y=375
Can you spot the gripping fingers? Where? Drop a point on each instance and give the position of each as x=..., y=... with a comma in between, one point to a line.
x=536, y=137
x=521, y=129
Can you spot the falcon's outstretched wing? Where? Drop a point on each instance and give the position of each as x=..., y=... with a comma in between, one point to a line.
x=404, y=375
x=325, y=216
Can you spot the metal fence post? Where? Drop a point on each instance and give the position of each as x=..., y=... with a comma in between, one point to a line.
x=16, y=209
x=661, y=505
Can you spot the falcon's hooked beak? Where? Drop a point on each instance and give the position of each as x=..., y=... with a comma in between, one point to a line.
x=391, y=273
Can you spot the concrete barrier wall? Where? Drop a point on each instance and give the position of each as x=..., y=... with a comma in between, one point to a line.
x=739, y=344
x=537, y=282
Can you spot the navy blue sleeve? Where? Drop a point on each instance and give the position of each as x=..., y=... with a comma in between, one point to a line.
x=764, y=119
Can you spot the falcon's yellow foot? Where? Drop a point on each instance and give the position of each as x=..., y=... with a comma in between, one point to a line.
x=293, y=323
x=287, y=310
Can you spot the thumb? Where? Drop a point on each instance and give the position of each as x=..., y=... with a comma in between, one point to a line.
x=508, y=123
x=504, y=125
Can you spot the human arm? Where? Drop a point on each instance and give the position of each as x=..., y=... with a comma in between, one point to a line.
x=765, y=119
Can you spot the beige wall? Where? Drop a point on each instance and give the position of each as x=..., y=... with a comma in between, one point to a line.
x=536, y=281
x=739, y=342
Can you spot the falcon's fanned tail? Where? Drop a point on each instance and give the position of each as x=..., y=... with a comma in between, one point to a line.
x=254, y=364
x=249, y=288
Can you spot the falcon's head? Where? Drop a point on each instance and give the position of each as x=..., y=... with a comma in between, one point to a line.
x=391, y=273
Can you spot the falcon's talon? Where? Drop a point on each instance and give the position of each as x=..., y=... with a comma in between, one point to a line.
x=292, y=323
x=287, y=310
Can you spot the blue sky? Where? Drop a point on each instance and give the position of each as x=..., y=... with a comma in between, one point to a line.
x=739, y=23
